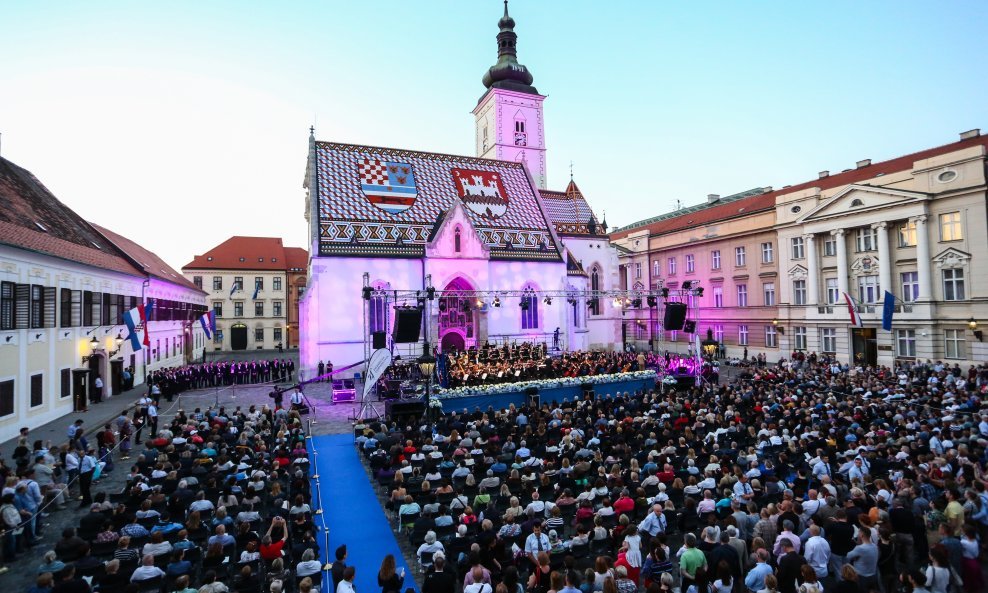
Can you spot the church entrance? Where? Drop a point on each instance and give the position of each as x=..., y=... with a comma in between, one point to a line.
x=238, y=337
x=457, y=317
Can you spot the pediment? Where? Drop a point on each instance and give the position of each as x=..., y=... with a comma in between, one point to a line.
x=865, y=265
x=855, y=199
x=442, y=243
x=952, y=258
x=798, y=272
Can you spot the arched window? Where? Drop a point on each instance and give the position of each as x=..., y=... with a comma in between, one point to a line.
x=378, y=309
x=456, y=240
x=595, y=287
x=529, y=308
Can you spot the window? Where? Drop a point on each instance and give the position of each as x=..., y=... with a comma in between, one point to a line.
x=595, y=288
x=65, y=383
x=638, y=270
x=910, y=286
x=768, y=291
x=577, y=319
x=258, y=308
x=768, y=254
x=197, y=280
x=742, y=295
x=276, y=334
x=37, y=310
x=719, y=297
x=277, y=309
x=217, y=283
x=238, y=309
x=868, y=289
x=799, y=292
x=739, y=256
x=7, y=305
x=950, y=227
x=157, y=349
x=37, y=393
x=830, y=246
x=905, y=343
x=690, y=264
x=258, y=334
x=655, y=269
x=771, y=337
x=6, y=397
x=65, y=313
x=907, y=234
x=833, y=291
x=797, y=248
x=715, y=259
x=672, y=266
x=953, y=346
x=238, y=283
x=799, y=337
x=258, y=283
x=218, y=310
x=276, y=284
x=866, y=239
x=828, y=339
x=953, y=285
x=742, y=335
x=719, y=333
x=529, y=309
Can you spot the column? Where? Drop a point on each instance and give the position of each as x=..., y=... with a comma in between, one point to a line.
x=841, y=260
x=884, y=258
x=812, y=271
x=923, y=258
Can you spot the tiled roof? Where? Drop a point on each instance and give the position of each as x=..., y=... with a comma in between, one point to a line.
x=296, y=258
x=385, y=201
x=708, y=213
x=149, y=262
x=569, y=211
x=248, y=253
x=32, y=218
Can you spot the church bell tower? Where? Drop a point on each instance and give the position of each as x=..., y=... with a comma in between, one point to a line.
x=509, y=123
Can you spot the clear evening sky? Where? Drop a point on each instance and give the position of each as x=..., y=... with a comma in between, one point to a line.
x=182, y=123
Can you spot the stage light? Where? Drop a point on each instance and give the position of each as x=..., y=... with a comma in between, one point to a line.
x=497, y=302
x=652, y=301
x=367, y=293
x=480, y=303
x=430, y=293
x=547, y=300
x=523, y=304
x=665, y=293
x=636, y=303
x=617, y=303
x=421, y=303
x=466, y=307
x=698, y=291
x=687, y=284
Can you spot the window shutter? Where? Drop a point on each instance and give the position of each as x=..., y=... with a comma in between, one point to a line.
x=22, y=306
x=65, y=313
x=76, y=308
x=49, y=310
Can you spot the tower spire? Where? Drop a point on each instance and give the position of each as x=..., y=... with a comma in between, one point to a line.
x=507, y=73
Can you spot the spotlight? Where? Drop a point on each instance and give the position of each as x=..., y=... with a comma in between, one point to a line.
x=617, y=303
x=687, y=284
x=430, y=293
x=442, y=305
x=466, y=307
x=665, y=293
x=497, y=302
x=367, y=293
x=480, y=303
x=636, y=303
x=547, y=300
x=523, y=304
x=698, y=291
x=420, y=302
x=652, y=301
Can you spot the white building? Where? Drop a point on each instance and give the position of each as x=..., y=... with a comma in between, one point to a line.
x=65, y=285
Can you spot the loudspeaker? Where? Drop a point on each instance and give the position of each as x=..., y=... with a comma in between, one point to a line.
x=404, y=411
x=408, y=323
x=689, y=327
x=675, y=316
x=379, y=340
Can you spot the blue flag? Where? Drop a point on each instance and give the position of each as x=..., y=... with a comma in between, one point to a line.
x=887, y=310
x=257, y=289
x=234, y=288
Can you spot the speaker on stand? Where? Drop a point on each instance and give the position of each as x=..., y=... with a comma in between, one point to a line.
x=675, y=317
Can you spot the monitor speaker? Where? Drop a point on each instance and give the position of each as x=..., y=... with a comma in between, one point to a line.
x=675, y=316
x=379, y=340
x=408, y=323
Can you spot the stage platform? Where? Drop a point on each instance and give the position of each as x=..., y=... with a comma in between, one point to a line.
x=518, y=393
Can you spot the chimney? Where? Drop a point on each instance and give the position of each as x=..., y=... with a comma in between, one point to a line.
x=971, y=134
x=824, y=174
x=711, y=198
x=863, y=163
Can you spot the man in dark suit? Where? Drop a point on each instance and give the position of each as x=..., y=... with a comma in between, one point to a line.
x=790, y=564
x=339, y=566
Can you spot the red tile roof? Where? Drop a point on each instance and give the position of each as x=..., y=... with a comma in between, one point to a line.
x=296, y=257
x=766, y=201
x=149, y=262
x=39, y=242
x=249, y=253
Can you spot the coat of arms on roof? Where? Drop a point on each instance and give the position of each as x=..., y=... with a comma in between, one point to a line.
x=388, y=185
x=481, y=191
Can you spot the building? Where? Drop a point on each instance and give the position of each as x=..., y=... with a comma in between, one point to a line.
x=65, y=285
x=253, y=286
x=396, y=220
x=774, y=265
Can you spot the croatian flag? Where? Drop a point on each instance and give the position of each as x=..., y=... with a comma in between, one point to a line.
x=853, y=311
x=208, y=323
x=134, y=320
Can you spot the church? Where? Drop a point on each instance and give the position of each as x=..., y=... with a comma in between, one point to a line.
x=470, y=227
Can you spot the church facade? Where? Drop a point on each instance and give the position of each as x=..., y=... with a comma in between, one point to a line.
x=482, y=231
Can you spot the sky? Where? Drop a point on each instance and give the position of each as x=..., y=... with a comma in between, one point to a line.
x=180, y=124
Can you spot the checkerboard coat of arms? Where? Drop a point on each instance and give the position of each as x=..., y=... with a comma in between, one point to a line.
x=388, y=185
x=481, y=191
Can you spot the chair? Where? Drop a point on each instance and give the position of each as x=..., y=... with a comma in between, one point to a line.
x=425, y=560
x=103, y=549
x=407, y=520
x=150, y=585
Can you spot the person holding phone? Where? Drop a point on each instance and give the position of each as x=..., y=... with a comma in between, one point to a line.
x=389, y=580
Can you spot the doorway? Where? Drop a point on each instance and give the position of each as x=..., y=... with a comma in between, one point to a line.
x=80, y=389
x=238, y=337
x=457, y=316
x=116, y=377
x=95, y=364
x=864, y=346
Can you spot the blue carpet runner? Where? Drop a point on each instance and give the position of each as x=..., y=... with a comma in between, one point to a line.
x=353, y=514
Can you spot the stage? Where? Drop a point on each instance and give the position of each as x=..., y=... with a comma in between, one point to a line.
x=560, y=390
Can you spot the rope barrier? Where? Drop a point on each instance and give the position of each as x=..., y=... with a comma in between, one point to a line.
x=313, y=455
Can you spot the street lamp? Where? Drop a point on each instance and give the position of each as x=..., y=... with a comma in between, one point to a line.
x=427, y=364
x=972, y=323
